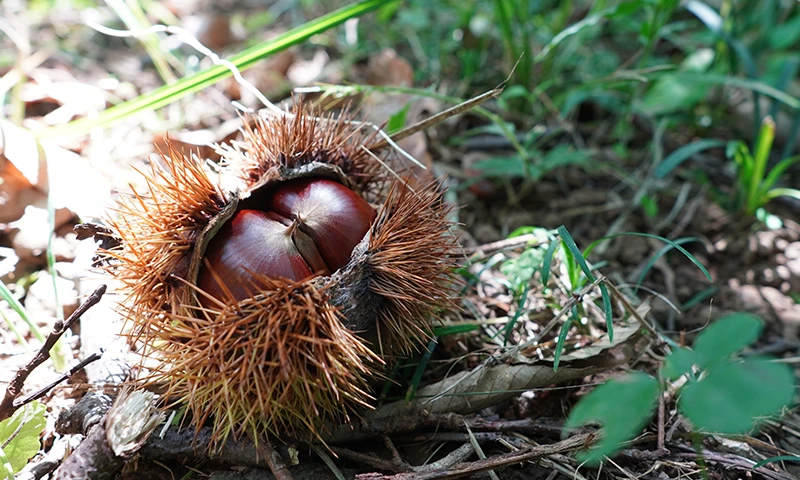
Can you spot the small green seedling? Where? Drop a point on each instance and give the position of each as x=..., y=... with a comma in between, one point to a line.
x=723, y=393
x=755, y=187
x=19, y=438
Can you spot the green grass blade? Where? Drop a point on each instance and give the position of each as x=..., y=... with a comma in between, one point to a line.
x=170, y=93
x=763, y=147
x=607, y=311
x=16, y=332
x=753, y=85
x=6, y=295
x=421, y=366
x=683, y=153
x=576, y=252
x=783, y=192
x=659, y=254
x=674, y=245
x=548, y=260
x=781, y=458
x=775, y=174
x=562, y=337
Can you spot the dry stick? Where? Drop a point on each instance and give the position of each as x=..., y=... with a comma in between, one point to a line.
x=471, y=468
x=439, y=117
x=274, y=461
x=7, y=405
x=484, y=250
x=72, y=371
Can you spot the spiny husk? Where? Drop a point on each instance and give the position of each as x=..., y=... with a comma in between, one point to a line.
x=272, y=146
x=296, y=354
x=280, y=362
x=158, y=230
x=412, y=257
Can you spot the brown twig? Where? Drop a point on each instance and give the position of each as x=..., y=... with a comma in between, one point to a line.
x=8, y=406
x=72, y=371
x=274, y=461
x=471, y=468
x=439, y=117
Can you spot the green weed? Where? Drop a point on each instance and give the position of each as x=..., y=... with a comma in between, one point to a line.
x=724, y=393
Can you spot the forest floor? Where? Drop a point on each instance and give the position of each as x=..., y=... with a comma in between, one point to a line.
x=506, y=212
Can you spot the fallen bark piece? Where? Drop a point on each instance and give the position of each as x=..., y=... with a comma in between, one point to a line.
x=109, y=444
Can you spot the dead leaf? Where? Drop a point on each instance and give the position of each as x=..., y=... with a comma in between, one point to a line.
x=484, y=386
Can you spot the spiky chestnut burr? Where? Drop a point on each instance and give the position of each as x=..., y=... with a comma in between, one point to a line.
x=282, y=333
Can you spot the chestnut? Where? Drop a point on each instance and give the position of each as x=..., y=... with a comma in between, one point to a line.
x=307, y=227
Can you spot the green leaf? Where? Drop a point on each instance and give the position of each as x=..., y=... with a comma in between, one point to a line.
x=783, y=192
x=607, y=311
x=733, y=395
x=649, y=206
x=26, y=443
x=684, y=153
x=420, y=370
x=562, y=337
x=766, y=136
x=774, y=175
x=678, y=363
x=674, y=245
x=548, y=259
x=622, y=406
x=725, y=337
x=753, y=85
x=672, y=94
x=664, y=250
x=167, y=94
x=398, y=120
x=576, y=252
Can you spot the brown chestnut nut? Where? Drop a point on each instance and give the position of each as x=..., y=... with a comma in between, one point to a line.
x=308, y=227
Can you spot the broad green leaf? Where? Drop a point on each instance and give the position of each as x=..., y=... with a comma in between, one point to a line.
x=733, y=395
x=684, y=153
x=672, y=93
x=622, y=406
x=725, y=337
x=678, y=363
x=26, y=443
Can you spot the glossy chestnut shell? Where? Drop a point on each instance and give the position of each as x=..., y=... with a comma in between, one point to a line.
x=306, y=227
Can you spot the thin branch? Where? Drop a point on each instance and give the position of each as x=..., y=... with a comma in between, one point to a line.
x=439, y=117
x=72, y=371
x=7, y=405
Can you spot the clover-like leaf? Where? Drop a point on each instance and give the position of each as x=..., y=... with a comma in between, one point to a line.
x=725, y=337
x=622, y=406
x=25, y=443
x=732, y=395
x=679, y=362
